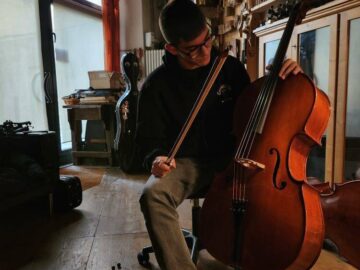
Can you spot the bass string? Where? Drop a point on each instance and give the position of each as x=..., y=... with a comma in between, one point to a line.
x=239, y=185
x=267, y=91
x=259, y=107
x=261, y=115
x=259, y=110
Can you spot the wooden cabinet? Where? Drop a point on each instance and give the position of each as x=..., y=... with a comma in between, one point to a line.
x=325, y=47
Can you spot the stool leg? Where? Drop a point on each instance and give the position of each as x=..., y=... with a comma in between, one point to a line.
x=143, y=256
x=51, y=203
x=196, y=208
x=109, y=146
x=196, y=217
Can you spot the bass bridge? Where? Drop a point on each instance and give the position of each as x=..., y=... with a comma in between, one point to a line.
x=250, y=164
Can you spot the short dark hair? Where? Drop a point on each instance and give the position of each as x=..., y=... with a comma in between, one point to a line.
x=181, y=20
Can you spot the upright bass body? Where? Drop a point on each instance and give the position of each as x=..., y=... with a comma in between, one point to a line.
x=282, y=223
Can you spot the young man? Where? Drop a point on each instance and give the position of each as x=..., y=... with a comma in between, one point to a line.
x=166, y=99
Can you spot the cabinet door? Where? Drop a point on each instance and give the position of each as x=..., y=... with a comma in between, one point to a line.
x=314, y=44
x=347, y=163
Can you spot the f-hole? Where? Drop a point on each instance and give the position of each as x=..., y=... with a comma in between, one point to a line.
x=282, y=184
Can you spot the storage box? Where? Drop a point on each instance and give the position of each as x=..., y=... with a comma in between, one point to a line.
x=104, y=80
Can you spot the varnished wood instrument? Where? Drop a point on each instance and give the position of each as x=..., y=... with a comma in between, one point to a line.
x=261, y=213
x=341, y=207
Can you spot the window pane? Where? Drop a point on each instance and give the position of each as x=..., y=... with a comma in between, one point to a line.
x=97, y=2
x=79, y=48
x=21, y=70
x=270, y=50
x=352, y=152
x=314, y=56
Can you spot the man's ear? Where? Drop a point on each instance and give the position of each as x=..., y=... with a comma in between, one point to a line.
x=171, y=49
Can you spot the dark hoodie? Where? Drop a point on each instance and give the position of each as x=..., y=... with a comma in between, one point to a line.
x=166, y=99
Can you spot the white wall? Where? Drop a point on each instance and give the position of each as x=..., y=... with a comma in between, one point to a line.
x=131, y=25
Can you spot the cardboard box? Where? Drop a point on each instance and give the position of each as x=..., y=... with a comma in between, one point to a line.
x=104, y=80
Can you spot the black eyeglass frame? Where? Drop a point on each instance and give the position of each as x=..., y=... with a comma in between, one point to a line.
x=196, y=49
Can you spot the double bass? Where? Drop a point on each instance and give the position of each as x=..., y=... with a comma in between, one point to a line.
x=341, y=206
x=261, y=213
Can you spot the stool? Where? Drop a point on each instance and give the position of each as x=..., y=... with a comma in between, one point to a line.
x=191, y=238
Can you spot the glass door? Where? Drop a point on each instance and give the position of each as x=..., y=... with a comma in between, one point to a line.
x=347, y=165
x=79, y=48
x=314, y=45
x=21, y=64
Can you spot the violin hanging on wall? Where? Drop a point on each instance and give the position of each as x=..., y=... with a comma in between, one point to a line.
x=126, y=114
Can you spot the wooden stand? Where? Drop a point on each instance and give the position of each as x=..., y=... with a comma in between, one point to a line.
x=103, y=112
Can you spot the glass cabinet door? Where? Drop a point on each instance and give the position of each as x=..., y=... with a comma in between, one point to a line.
x=268, y=45
x=270, y=51
x=347, y=165
x=313, y=55
x=315, y=51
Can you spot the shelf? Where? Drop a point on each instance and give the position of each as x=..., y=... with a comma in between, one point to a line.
x=228, y=19
x=210, y=12
x=263, y=6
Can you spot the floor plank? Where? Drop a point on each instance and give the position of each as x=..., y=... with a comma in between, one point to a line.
x=106, y=229
x=71, y=254
x=330, y=261
x=326, y=261
x=108, y=251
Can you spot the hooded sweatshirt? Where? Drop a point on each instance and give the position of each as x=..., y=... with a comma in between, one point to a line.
x=166, y=99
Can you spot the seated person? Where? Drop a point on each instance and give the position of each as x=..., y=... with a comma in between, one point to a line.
x=166, y=99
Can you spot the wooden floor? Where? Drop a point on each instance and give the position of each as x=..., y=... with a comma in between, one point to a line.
x=106, y=230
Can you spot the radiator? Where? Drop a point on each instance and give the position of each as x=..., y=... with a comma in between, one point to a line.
x=153, y=59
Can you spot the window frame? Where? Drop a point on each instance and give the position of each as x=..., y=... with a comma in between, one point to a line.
x=84, y=5
x=48, y=56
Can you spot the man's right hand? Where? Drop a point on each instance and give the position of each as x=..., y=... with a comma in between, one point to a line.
x=160, y=168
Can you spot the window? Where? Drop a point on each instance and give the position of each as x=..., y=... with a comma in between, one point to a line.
x=21, y=68
x=79, y=48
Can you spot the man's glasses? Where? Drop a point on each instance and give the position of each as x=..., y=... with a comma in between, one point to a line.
x=194, y=51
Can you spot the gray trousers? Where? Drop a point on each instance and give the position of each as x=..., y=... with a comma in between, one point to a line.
x=159, y=200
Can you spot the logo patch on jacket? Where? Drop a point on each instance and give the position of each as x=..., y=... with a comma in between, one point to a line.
x=224, y=93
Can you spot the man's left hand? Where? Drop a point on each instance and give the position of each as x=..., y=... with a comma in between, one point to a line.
x=289, y=66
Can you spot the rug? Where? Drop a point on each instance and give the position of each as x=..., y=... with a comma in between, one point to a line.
x=89, y=176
